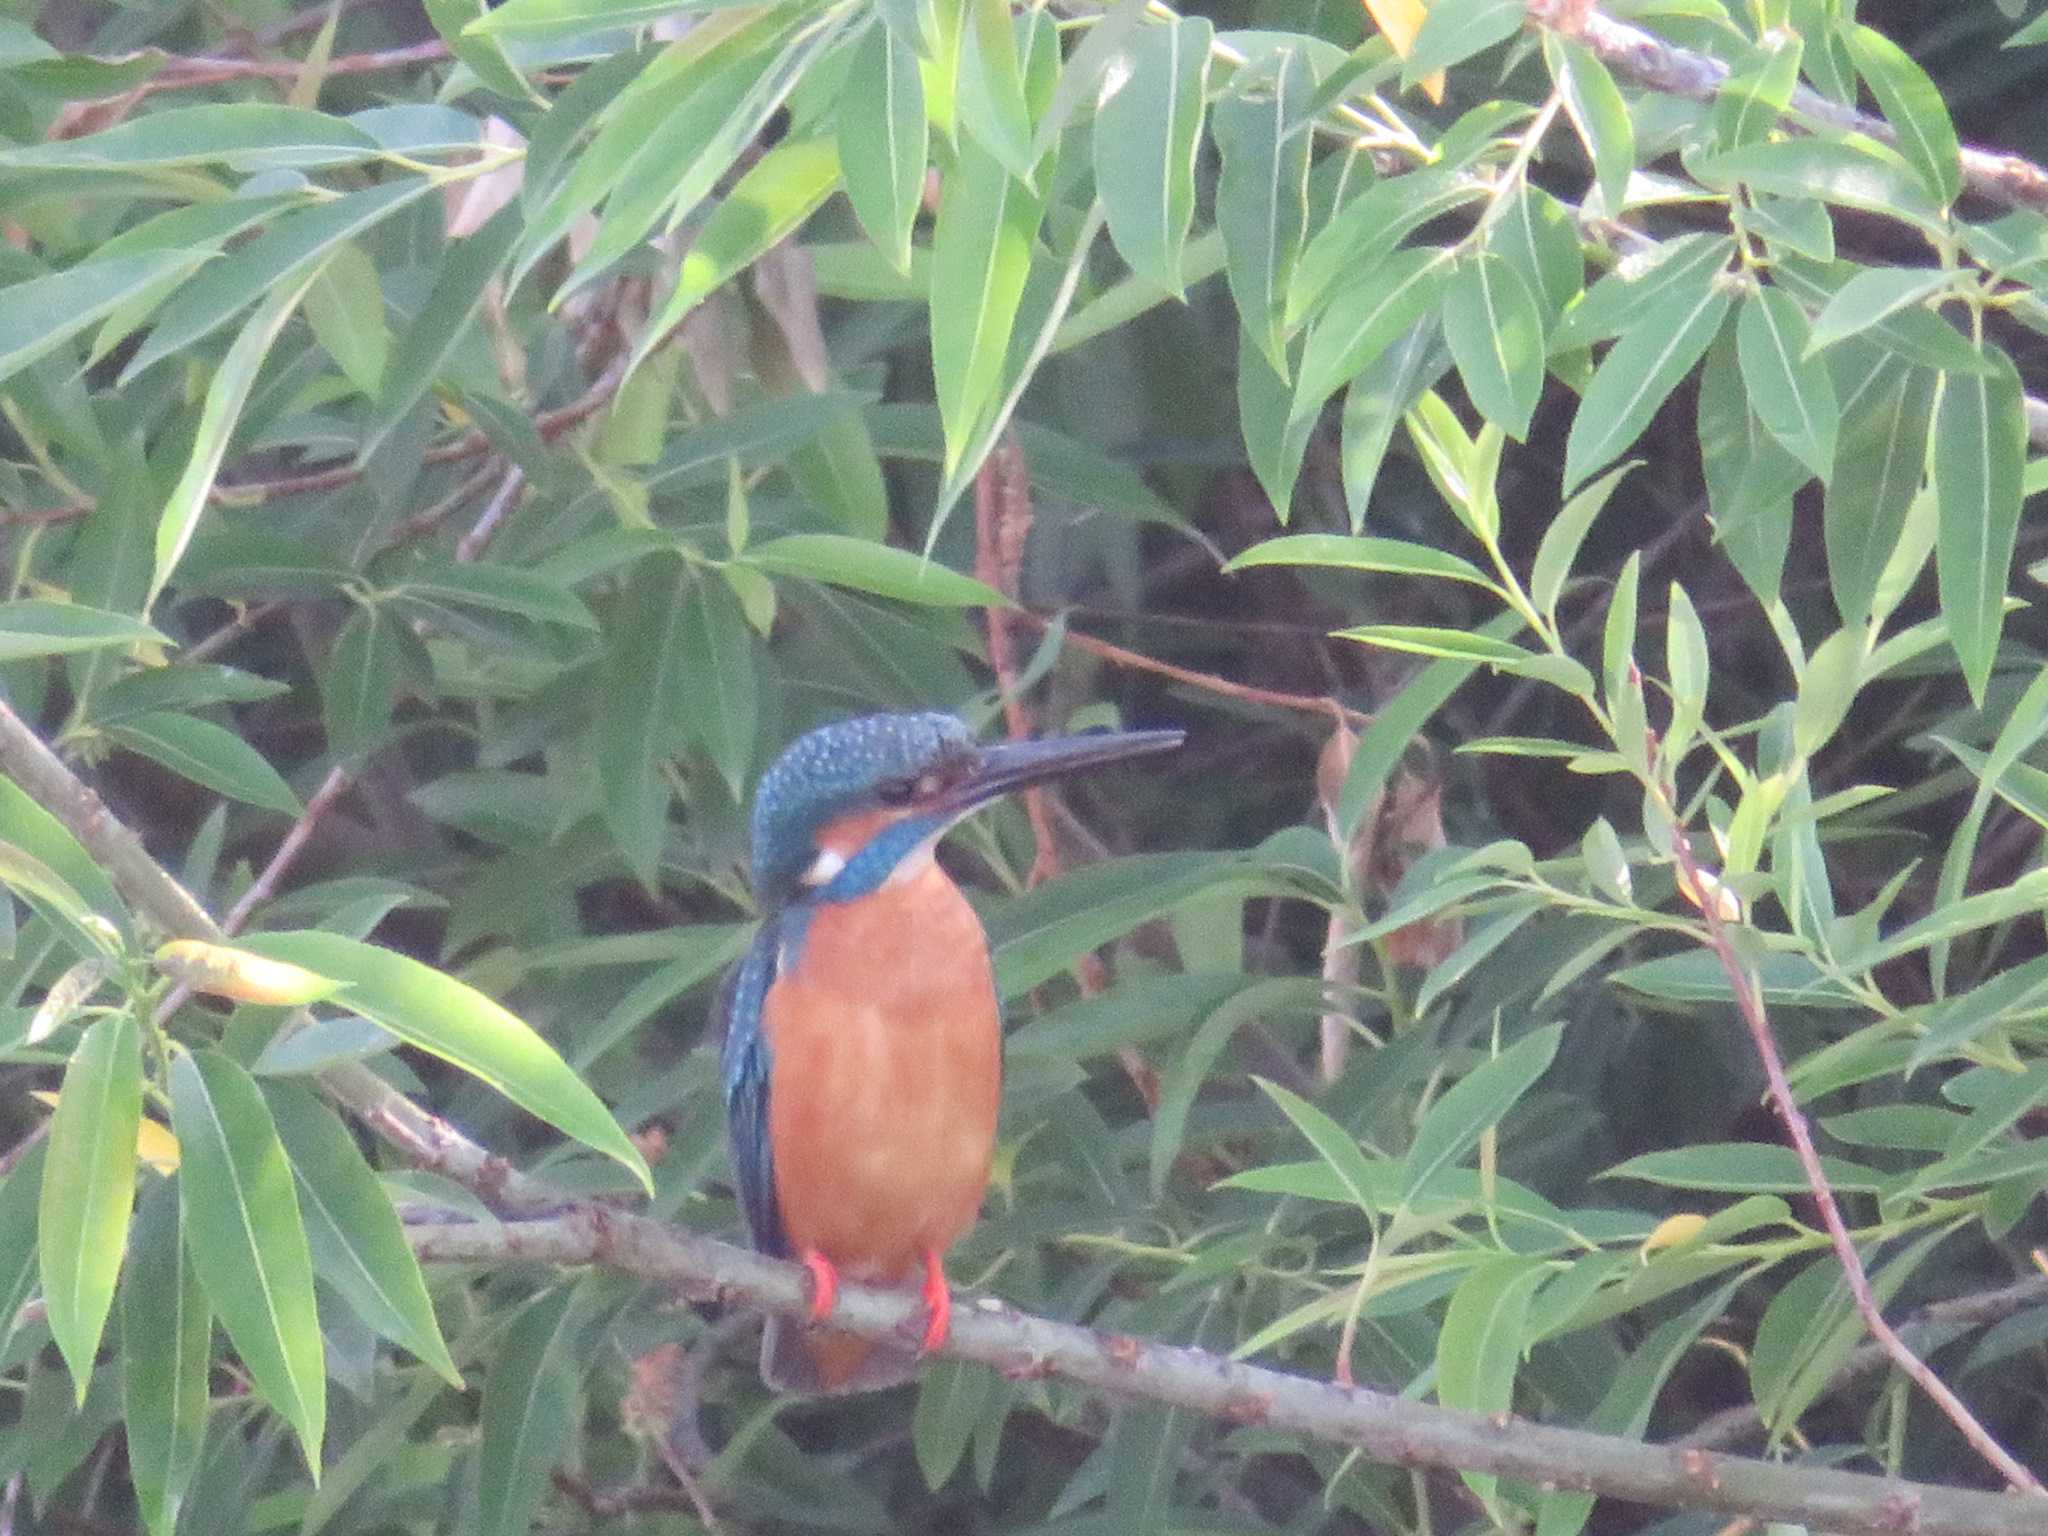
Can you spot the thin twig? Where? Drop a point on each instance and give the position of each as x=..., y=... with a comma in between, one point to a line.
x=1382, y=1426
x=1312, y=703
x=1749, y=1002
x=478, y=539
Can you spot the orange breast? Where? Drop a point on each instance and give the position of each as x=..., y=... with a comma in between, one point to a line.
x=886, y=1053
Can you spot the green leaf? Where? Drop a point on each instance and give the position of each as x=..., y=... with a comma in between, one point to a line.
x=989, y=85
x=1618, y=304
x=1456, y=1121
x=207, y=754
x=1791, y=393
x=360, y=682
x=1453, y=30
x=425, y=346
x=1559, y=550
x=166, y=1351
x=1337, y=1147
x=866, y=566
x=1871, y=297
x=529, y=1397
x=352, y=1232
x=1479, y=1347
x=1913, y=106
x=717, y=656
x=981, y=255
x=1880, y=461
x=37, y=626
x=29, y=829
x=1374, y=403
x=1275, y=436
x=1495, y=330
x=950, y=1399
x=345, y=308
x=244, y=1236
x=1362, y=554
x=20, y=1267
x=1363, y=319
x=646, y=686
x=1640, y=370
x=1600, y=115
x=1750, y=476
x=282, y=261
x=225, y=397
x=884, y=141
x=19, y=45
x=1455, y=645
x=782, y=189
x=1863, y=176
x=1262, y=195
x=1980, y=450
x=1146, y=134
x=89, y=1187
x=1744, y=1168
x=441, y=1016
x=41, y=314
x=1363, y=232
x=496, y=588
x=1181, y=1084
x=245, y=135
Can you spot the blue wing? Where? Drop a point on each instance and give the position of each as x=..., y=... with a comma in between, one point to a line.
x=746, y=1087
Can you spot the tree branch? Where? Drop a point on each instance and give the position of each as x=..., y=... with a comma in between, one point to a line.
x=1384, y=1427
x=1651, y=62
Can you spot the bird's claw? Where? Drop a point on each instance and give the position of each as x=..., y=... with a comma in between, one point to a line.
x=824, y=1285
x=938, y=1305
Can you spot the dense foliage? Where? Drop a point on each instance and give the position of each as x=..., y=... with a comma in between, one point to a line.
x=1569, y=484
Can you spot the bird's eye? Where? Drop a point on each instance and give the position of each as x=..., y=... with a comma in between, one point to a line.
x=897, y=791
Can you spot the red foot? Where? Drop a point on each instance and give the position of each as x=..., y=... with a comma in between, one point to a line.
x=938, y=1303
x=824, y=1284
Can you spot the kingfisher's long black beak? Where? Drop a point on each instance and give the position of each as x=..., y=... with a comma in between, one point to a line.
x=1012, y=765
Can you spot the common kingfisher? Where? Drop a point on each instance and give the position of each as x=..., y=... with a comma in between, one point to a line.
x=863, y=1039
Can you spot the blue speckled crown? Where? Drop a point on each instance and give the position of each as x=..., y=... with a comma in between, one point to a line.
x=826, y=773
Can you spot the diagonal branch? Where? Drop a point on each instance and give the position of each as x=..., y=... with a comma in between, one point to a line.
x=1384, y=1427
x=1651, y=62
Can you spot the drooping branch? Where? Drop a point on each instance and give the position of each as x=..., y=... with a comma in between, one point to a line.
x=1384, y=1427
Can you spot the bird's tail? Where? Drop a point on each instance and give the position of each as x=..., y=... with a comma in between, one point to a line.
x=827, y=1362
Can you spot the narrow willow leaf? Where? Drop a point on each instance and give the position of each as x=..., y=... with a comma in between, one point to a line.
x=1980, y=449
x=1338, y=1148
x=283, y=260
x=464, y=272
x=1262, y=196
x=1363, y=319
x=1750, y=475
x=1639, y=371
x=1913, y=106
x=1146, y=134
x=166, y=1351
x=1375, y=401
x=717, y=656
x=225, y=397
x=1479, y=1347
x=20, y=1269
x=352, y=1231
x=1791, y=393
x=207, y=754
x=1880, y=461
x=989, y=95
x=27, y=828
x=1559, y=550
x=360, y=682
x=243, y=1233
x=41, y=314
x=1398, y=556
x=528, y=1400
x=1495, y=330
x=1599, y=114
x=870, y=567
x=949, y=1404
x=345, y=308
x=442, y=1016
x=89, y=1187
x=1617, y=304
x=646, y=685
x=1366, y=229
x=981, y=255
x=784, y=187
x=884, y=141
x=1865, y=176
x=1455, y=1122
x=1275, y=434
x=1873, y=296
x=39, y=626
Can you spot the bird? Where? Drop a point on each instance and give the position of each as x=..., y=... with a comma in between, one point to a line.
x=862, y=1050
